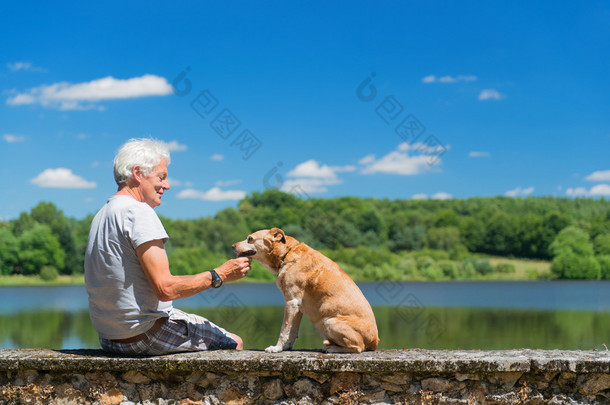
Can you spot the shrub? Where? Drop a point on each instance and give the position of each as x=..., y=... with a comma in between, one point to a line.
x=568, y=265
x=49, y=273
x=424, y=261
x=407, y=268
x=432, y=272
x=481, y=266
x=467, y=270
x=450, y=269
x=505, y=268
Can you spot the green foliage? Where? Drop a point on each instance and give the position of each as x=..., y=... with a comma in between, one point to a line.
x=49, y=273
x=446, y=238
x=571, y=266
x=572, y=239
x=505, y=268
x=604, y=264
x=373, y=239
x=601, y=244
x=480, y=266
x=38, y=248
x=9, y=252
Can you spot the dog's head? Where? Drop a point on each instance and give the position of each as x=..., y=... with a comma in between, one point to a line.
x=267, y=246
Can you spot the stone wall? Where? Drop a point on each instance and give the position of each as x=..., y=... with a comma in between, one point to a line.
x=307, y=377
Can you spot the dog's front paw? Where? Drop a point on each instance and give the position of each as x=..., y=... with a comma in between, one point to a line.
x=273, y=349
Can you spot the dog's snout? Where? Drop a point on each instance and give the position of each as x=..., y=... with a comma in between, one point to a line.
x=233, y=246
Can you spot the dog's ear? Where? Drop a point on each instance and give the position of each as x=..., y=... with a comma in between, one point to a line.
x=278, y=235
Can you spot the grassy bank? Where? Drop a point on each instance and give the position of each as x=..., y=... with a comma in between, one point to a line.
x=521, y=269
x=30, y=281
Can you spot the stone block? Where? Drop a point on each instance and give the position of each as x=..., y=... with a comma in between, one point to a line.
x=593, y=383
x=135, y=377
x=305, y=387
x=344, y=382
x=25, y=377
x=439, y=384
x=396, y=379
x=273, y=389
x=111, y=397
x=567, y=382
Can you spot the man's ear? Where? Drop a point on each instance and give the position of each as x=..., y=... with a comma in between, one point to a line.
x=278, y=235
x=136, y=173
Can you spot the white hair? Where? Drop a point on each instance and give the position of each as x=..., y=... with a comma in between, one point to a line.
x=145, y=152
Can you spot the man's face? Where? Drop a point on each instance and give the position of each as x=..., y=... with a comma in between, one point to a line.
x=154, y=184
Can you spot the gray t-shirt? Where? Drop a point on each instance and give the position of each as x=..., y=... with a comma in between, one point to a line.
x=122, y=303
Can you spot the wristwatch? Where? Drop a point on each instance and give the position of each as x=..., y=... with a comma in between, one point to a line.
x=216, y=280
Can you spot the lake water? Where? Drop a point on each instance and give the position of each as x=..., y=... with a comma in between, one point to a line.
x=432, y=315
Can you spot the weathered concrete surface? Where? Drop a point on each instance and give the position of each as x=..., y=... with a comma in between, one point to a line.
x=392, y=376
x=415, y=360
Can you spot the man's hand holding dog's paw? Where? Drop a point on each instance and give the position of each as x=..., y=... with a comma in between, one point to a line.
x=234, y=269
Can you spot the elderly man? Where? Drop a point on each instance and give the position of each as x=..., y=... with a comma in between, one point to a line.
x=127, y=272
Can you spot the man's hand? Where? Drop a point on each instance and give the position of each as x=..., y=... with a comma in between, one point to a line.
x=234, y=269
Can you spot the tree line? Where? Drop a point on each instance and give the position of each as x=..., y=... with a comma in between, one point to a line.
x=370, y=238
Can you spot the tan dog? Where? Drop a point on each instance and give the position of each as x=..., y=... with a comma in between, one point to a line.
x=313, y=285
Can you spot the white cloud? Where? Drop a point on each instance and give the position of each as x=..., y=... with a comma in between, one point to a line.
x=312, y=168
x=519, y=192
x=600, y=175
x=308, y=185
x=475, y=154
x=174, y=182
x=10, y=138
x=313, y=177
x=16, y=66
x=490, y=94
x=174, y=146
x=61, y=178
x=217, y=157
x=576, y=192
x=595, y=191
x=600, y=189
x=367, y=160
x=441, y=195
x=82, y=96
x=449, y=79
x=213, y=194
x=407, y=160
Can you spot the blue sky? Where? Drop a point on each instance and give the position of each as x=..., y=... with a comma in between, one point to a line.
x=394, y=100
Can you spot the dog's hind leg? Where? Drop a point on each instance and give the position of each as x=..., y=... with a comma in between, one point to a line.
x=341, y=336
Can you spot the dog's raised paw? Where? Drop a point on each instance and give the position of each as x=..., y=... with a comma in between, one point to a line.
x=273, y=349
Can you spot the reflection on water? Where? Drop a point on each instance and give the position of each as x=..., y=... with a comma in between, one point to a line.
x=399, y=327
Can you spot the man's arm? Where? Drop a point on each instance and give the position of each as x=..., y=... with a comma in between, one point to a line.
x=168, y=287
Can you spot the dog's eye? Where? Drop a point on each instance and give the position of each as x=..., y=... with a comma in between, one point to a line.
x=250, y=239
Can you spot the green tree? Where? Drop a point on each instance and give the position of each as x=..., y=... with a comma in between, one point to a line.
x=446, y=238
x=572, y=239
x=571, y=266
x=601, y=244
x=604, y=264
x=47, y=213
x=38, y=248
x=9, y=252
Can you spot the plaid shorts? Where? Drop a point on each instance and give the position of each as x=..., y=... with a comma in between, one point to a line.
x=181, y=333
